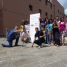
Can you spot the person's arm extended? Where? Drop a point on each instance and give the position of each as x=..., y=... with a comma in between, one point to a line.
x=18, y=31
x=42, y=36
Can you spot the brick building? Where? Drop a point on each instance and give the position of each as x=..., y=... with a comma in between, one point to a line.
x=12, y=12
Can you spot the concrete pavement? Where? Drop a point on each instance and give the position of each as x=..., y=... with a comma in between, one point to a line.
x=32, y=57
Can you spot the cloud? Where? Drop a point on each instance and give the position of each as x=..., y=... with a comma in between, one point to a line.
x=66, y=11
x=61, y=2
x=64, y=3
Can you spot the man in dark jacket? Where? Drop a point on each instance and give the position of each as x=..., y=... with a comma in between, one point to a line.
x=39, y=37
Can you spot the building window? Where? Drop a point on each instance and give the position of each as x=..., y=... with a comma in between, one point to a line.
x=40, y=11
x=46, y=1
x=50, y=4
x=58, y=10
x=39, y=0
x=46, y=14
x=50, y=1
x=30, y=7
x=51, y=16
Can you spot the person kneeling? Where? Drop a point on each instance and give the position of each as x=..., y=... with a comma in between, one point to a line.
x=12, y=35
x=39, y=38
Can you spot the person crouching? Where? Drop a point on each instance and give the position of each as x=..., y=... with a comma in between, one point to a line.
x=39, y=38
x=12, y=35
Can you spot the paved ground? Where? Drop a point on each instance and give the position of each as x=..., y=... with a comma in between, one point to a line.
x=33, y=57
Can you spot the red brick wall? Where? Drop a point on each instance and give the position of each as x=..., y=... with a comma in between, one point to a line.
x=14, y=11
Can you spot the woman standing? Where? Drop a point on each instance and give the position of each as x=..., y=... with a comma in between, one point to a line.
x=56, y=34
x=62, y=27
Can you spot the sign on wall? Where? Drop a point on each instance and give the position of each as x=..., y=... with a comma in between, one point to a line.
x=34, y=22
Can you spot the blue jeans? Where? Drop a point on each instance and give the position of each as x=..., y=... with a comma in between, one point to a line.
x=48, y=38
x=11, y=42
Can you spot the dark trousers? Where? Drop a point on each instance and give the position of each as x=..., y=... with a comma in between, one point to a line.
x=56, y=38
x=11, y=42
x=17, y=40
x=39, y=42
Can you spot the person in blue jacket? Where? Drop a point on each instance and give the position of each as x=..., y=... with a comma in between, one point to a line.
x=12, y=35
x=49, y=28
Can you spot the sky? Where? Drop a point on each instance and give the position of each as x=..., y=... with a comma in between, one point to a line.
x=64, y=3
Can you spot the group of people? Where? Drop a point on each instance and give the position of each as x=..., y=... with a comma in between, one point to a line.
x=15, y=34
x=51, y=31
